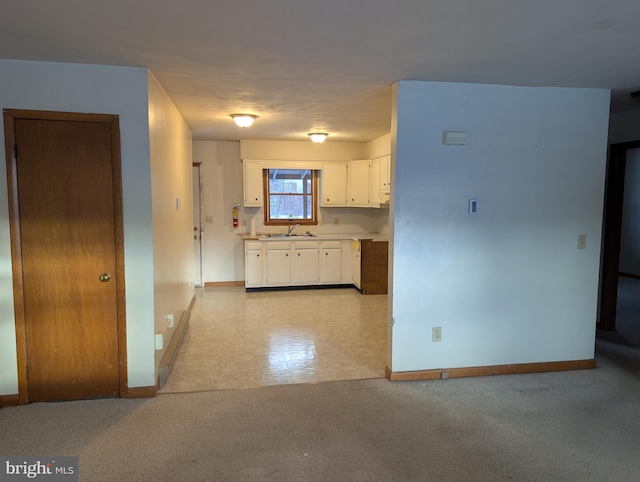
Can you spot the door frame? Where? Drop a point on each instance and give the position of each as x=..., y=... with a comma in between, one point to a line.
x=199, y=283
x=611, y=234
x=10, y=116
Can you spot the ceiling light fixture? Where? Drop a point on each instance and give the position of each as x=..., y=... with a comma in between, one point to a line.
x=318, y=137
x=243, y=120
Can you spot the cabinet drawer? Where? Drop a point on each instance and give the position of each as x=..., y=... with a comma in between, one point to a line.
x=305, y=244
x=336, y=244
x=273, y=245
x=253, y=245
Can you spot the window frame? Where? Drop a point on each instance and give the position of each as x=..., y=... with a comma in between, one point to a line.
x=288, y=222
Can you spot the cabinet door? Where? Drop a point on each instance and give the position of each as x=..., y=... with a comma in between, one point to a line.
x=252, y=177
x=385, y=174
x=347, y=255
x=374, y=183
x=331, y=266
x=358, y=183
x=305, y=266
x=356, y=263
x=334, y=184
x=278, y=267
x=254, y=268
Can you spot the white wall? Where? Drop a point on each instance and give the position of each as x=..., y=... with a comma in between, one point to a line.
x=221, y=168
x=172, y=207
x=95, y=89
x=222, y=246
x=303, y=150
x=506, y=285
x=630, y=233
x=379, y=147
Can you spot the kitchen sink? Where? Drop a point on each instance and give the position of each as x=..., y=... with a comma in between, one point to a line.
x=305, y=235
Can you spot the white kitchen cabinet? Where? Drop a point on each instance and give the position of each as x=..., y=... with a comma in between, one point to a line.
x=356, y=265
x=253, y=183
x=305, y=263
x=347, y=277
x=334, y=184
x=254, y=271
x=384, y=174
x=310, y=262
x=358, y=185
x=374, y=183
x=331, y=262
x=278, y=263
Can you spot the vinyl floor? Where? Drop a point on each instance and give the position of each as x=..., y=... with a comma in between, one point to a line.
x=239, y=339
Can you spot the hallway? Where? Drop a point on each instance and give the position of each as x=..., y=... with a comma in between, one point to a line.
x=237, y=339
x=627, y=313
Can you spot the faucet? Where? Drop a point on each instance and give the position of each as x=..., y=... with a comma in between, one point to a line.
x=291, y=228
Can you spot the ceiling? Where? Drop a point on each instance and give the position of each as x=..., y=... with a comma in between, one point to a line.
x=303, y=66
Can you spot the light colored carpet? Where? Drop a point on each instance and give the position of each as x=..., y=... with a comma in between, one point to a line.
x=581, y=425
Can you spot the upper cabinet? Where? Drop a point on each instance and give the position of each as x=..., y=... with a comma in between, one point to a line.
x=252, y=177
x=360, y=183
x=358, y=175
x=334, y=184
x=385, y=174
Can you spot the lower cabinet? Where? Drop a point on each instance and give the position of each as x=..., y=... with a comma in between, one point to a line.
x=314, y=262
x=371, y=261
x=253, y=264
x=331, y=262
x=295, y=263
x=278, y=263
x=356, y=265
x=305, y=263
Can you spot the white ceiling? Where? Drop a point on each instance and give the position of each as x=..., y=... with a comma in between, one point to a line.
x=305, y=65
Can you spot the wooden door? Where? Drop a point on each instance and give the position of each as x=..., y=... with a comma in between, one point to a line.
x=67, y=254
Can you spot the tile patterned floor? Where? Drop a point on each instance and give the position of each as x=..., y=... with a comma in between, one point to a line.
x=243, y=340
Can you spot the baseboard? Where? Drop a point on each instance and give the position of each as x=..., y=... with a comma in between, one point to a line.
x=142, y=392
x=490, y=370
x=166, y=363
x=629, y=275
x=222, y=284
x=9, y=400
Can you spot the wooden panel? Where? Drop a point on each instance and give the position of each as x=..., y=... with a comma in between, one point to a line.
x=9, y=400
x=374, y=277
x=222, y=284
x=490, y=370
x=141, y=392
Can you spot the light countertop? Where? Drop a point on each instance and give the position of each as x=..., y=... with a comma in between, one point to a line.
x=318, y=237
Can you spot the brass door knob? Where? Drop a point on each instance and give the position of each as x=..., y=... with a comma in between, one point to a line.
x=105, y=278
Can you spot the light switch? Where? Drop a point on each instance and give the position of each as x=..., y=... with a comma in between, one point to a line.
x=454, y=138
x=582, y=241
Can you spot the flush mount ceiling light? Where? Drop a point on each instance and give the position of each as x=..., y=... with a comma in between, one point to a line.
x=243, y=120
x=318, y=137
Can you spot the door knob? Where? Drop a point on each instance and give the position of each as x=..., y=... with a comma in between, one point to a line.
x=105, y=278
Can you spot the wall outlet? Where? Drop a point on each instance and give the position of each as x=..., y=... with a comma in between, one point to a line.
x=208, y=219
x=336, y=221
x=436, y=333
x=582, y=241
x=159, y=341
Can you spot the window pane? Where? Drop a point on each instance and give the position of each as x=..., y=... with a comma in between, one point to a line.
x=289, y=207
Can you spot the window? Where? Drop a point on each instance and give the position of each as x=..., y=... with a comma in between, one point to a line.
x=291, y=196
